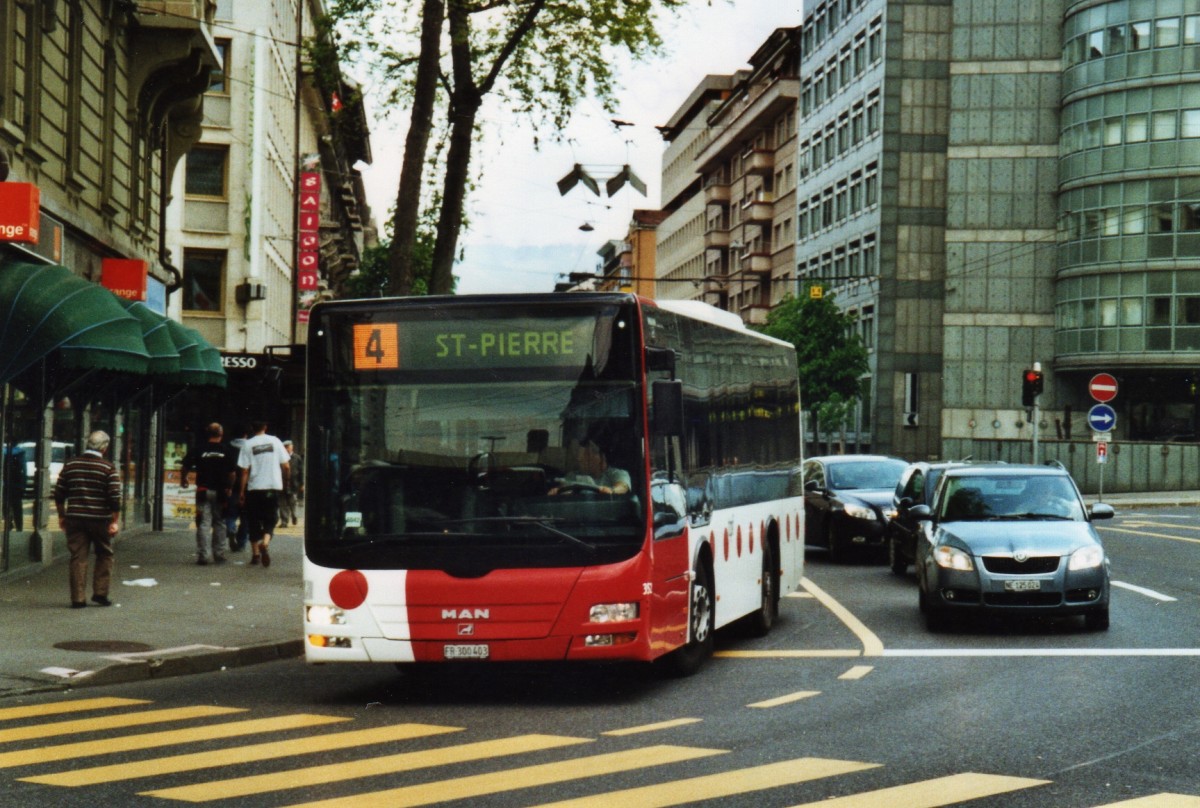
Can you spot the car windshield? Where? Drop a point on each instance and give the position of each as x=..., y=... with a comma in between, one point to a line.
x=878, y=474
x=1010, y=496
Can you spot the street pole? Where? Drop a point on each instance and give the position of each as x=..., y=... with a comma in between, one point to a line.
x=1036, y=418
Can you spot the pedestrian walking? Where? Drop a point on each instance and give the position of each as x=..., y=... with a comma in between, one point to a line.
x=264, y=477
x=235, y=523
x=289, y=505
x=215, y=464
x=88, y=498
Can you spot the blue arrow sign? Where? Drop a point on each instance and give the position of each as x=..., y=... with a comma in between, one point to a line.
x=1102, y=418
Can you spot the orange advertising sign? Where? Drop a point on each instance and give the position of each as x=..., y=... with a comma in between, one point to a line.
x=125, y=277
x=20, y=212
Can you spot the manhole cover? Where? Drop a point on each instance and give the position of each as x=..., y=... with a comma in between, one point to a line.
x=106, y=646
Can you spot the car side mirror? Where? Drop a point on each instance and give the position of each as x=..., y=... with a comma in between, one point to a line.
x=905, y=503
x=1101, y=510
x=921, y=513
x=812, y=486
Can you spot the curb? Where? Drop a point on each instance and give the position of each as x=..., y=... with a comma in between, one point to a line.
x=163, y=667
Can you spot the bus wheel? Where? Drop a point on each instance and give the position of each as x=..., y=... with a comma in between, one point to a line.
x=701, y=621
x=760, y=622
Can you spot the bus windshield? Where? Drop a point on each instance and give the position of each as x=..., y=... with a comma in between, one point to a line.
x=488, y=443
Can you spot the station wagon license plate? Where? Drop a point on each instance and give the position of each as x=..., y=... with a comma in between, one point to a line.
x=465, y=651
x=1022, y=586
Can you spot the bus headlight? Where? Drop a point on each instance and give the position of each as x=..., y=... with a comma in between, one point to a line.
x=613, y=612
x=325, y=615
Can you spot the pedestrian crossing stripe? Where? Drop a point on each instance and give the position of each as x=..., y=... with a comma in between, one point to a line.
x=722, y=784
x=60, y=707
x=932, y=793
x=153, y=740
x=370, y=767
x=311, y=744
x=111, y=722
x=481, y=785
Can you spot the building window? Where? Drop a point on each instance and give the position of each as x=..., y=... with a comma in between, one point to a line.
x=218, y=79
x=203, y=280
x=206, y=171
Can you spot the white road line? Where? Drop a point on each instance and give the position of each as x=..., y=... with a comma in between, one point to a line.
x=1141, y=590
x=1042, y=652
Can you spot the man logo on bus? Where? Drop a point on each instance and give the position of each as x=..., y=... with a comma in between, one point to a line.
x=466, y=629
x=466, y=614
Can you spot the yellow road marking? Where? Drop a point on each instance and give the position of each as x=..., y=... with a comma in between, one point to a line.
x=59, y=707
x=1148, y=533
x=111, y=722
x=678, y=722
x=239, y=754
x=513, y=779
x=872, y=645
x=857, y=672
x=788, y=699
x=723, y=784
x=151, y=740
x=931, y=793
x=371, y=767
x=1157, y=801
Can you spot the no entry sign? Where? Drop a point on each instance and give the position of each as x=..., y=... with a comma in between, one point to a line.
x=1103, y=387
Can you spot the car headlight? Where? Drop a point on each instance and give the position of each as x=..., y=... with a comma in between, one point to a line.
x=1086, y=558
x=859, y=512
x=952, y=558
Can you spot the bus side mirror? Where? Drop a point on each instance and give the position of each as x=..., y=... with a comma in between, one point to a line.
x=668, y=407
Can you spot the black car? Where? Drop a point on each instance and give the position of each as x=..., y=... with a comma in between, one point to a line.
x=1014, y=540
x=845, y=500
x=916, y=487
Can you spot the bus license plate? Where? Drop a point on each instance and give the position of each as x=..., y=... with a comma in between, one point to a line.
x=1022, y=586
x=465, y=651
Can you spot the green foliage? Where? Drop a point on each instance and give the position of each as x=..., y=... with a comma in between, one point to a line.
x=830, y=354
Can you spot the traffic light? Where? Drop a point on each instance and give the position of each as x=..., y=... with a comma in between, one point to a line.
x=1031, y=386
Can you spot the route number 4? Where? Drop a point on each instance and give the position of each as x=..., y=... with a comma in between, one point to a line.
x=376, y=346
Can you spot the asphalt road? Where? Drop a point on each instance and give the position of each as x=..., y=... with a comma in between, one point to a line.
x=850, y=698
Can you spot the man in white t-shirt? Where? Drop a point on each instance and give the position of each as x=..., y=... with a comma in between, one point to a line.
x=264, y=476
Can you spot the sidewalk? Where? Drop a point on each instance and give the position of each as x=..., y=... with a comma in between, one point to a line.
x=169, y=616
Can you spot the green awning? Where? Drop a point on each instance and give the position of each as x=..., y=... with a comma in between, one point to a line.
x=47, y=309
x=164, y=356
x=195, y=365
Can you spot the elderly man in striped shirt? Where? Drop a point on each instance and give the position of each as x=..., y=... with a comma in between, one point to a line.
x=88, y=496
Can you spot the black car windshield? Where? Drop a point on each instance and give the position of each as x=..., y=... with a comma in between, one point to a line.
x=1009, y=496
x=866, y=474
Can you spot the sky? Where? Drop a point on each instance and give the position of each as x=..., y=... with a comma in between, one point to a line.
x=524, y=236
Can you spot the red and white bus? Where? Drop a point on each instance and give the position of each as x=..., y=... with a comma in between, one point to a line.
x=585, y=476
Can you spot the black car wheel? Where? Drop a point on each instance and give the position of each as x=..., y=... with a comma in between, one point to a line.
x=1096, y=620
x=895, y=557
x=839, y=552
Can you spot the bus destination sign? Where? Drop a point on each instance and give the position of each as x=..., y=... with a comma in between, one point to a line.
x=479, y=344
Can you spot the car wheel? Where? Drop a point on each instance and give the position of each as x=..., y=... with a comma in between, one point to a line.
x=936, y=618
x=761, y=621
x=1097, y=620
x=701, y=623
x=895, y=559
x=839, y=553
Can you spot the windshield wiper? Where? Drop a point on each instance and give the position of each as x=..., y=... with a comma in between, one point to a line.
x=1057, y=516
x=544, y=522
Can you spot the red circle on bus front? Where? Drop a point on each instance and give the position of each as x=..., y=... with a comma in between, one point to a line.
x=348, y=589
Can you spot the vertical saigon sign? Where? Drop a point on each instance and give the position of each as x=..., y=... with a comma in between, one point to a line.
x=308, y=237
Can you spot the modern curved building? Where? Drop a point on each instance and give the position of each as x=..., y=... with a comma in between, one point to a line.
x=1128, y=283
x=988, y=185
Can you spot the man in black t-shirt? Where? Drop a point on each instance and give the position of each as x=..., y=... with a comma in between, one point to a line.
x=215, y=464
